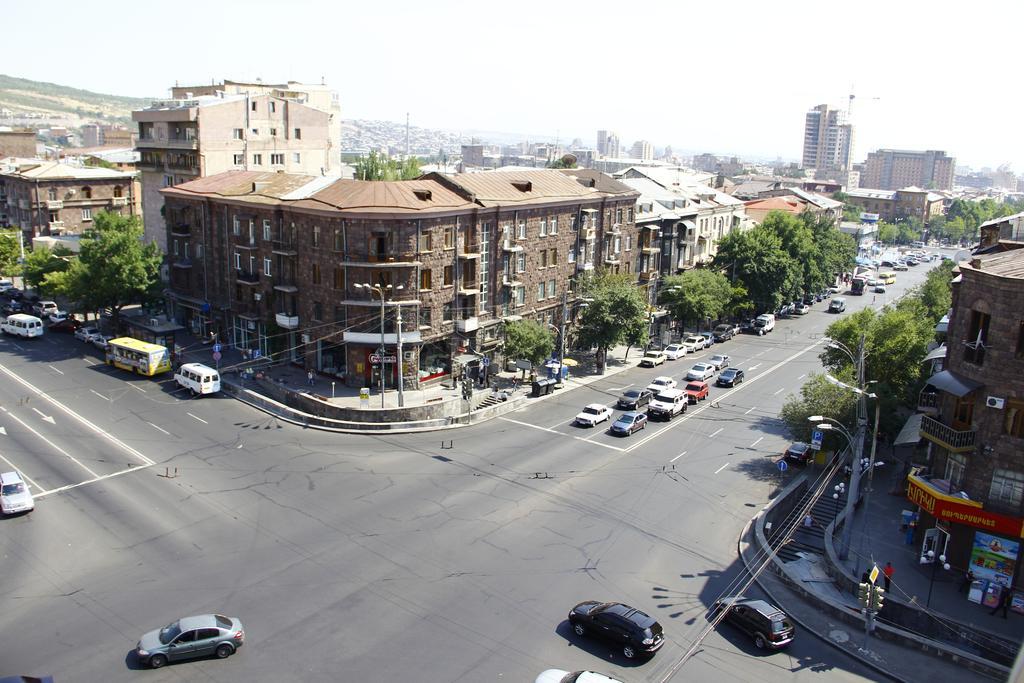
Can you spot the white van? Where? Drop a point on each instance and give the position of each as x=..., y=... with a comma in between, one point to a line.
x=198, y=378
x=23, y=325
x=14, y=494
x=668, y=403
x=764, y=323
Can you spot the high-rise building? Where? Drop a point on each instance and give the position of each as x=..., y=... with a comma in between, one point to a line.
x=608, y=144
x=642, y=150
x=894, y=169
x=828, y=139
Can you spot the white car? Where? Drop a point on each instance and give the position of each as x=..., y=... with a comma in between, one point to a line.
x=6, y=285
x=675, y=351
x=695, y=343
x=563, y=676
x=835, y=289
x=14, y=494
x=801, y=308
x=873, y=282
x=701, y=371
x=652, y=358
x=660, y=384
x=593, y=414
x=86, y=334
x=719, y=360
x=58, y=316
x=100, y=341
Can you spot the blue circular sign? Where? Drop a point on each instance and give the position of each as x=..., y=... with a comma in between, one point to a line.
x=783, y=466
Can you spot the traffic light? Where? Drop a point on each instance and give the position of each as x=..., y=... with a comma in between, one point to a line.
x=877, y=596
x=864, y=594
x=467, y=389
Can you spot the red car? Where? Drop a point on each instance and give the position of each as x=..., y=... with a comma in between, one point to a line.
x=696, y=391
x=68, y=326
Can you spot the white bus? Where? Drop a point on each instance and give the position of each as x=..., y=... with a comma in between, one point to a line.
x=23, y=325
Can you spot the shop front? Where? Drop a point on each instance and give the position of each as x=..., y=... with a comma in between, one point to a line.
x=435, y=363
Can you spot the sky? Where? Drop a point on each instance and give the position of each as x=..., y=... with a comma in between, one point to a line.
x=726, y=78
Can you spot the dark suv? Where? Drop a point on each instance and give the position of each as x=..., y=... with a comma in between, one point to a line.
x=723, y=332
x=768, y=625
x=632, y=630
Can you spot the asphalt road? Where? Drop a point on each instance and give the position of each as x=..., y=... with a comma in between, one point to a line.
x=385, y=558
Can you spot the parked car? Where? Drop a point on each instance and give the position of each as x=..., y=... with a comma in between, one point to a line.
x=700, y=371
x=6, y=286
x=11, y=308
x=562, y=676
x=674, y=351
x=709, y=339
x=749, y=326
x=191, y=637
x=880, y=289
x=67, y=325
x=785, y=310
x=719, y=360
x=634, y=399
x=630, y=629
x=901, y=266
x=802, y=309
x=723, y=332
x=764, y=323
x=86, y=333
x=696, y=391
x=768, y=625
x=100, y=341
x=730, y=377
x=15, y=496
x=800, y=452
x=58, y=316
x=45, y=308
x=837, y=305
x=593, y=414
x=660, y=383
x=629, y=423
x=652, y=358
x=694, y=343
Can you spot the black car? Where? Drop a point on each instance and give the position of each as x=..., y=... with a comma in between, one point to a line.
x=632, y=630
x=723, y=332
x=634, y=398
x=730, y=377
x=748, y=326
x=12, y=307
x=768, y=625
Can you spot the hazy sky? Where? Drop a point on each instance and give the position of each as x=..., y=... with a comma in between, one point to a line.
x=730, y=77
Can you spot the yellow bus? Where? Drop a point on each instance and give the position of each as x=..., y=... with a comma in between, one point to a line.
x=137, y=356
x=888, y=278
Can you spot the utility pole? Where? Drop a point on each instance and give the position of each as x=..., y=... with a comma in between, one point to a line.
x=381, y=352
x=561, y=332
x=398, y=359
x=857, y=454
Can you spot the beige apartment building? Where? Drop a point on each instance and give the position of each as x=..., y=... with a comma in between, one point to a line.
x=180, y=140
x=892, y=169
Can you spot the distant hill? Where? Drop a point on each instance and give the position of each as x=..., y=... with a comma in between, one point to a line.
x=25, y=97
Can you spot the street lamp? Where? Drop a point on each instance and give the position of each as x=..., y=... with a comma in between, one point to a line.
x=930, y=557
x=380, y=289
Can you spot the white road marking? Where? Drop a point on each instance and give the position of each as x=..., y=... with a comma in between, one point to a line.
x=753, y=367
x=89, y=361
x=619, y=388
x=752, y=409
x=99, y=394
x=756, y=442
x=159, y=428
x=239, y=446
x=760, y=353
x=61, y=489
x=721, y=468
x=198, y=418
x=716, y=433
x=678, y=456
x=138, y=388
x=23, y=475
x=779, y=391
x=802, y=376
x=59, y=372
x=53, y=445
x=46, y=418
x=3, y=430
x=571, y=436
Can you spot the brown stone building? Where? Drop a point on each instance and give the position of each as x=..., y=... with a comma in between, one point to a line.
x=891, y=169
x=897, y=205
x=271, y=261
x=47, y=198
x=18, y=143
x=972, y=495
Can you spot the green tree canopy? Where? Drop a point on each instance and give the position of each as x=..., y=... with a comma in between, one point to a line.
x=41, y=263
x=376, y=166
x=818, y=396
x=756, y=259
x=616, y=313
x=528, y=340
x=935, y=293
x=696, y=295
x=10, y=252
x=887, y=233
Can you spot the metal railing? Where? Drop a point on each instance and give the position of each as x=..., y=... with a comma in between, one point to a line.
x=952, y=439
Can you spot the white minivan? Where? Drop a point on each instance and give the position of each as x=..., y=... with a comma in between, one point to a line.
x=198, y=378
x=23, y=325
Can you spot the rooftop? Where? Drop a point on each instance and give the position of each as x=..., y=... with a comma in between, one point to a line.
x=1006, y=264
x=37, y=169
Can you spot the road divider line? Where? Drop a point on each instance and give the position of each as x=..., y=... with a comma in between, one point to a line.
x=137, y=388
x=159, y=428
x=99, y=394
x=554, y=431
x=59, y=372
x=802, y=376
x=721, y=468
x=759, y=439
x=750, y=410
x=779, y=391
x=89, y=361
x=678, y=456
x=61, y=489
x=716, y=433
x=753, y=367
x=53, y=445
x=198, y=418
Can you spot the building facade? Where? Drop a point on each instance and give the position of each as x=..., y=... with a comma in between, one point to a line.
x=270, y=262
x=897, y=205
x=828, y=139
x=180, y=140
x=971, y=492
x=891, y=169
x=18, y=143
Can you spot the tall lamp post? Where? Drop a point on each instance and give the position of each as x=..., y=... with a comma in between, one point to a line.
x=929, y=557
x=380, y=290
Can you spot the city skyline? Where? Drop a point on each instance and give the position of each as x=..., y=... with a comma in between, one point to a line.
x=759, y=116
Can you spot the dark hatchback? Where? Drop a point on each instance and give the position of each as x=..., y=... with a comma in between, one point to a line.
x=637, y=633
x=633, y=399
x=768, y=625
x=730, y=377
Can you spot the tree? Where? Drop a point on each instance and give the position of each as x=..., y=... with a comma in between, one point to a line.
x=616, y=313
x=382, y=167
x=566, y=161
x=818, y=396
x=907, y=231
x=528, y=340
x=935, y=293
x=41, y=262
x=696, y=295
x=887, y=232
x=755, y=258
x=113, y=269
x=10, y=252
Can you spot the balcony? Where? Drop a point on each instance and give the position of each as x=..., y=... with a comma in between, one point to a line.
x=119, y=201
x=167, y=143
x=286, y=284
x=182, y=263
x=288, y=322
x=469, y=254
x=181, y=229
x=54, y=204
x=928, y=402
x=953, y=440
x=247, y=278
x=647, y=275
x=56, y=226
x=467, y=324
x=246, y=243
x=612, y=259
x=509, y=245
x=283, y=247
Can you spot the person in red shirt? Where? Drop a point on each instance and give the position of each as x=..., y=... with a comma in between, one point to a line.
x=888, y=571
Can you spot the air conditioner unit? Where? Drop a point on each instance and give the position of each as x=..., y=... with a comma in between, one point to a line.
x=995, y=402
x=408, y=356
x=250, y=324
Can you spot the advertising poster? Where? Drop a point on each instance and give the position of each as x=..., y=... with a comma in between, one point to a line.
x=994, y=558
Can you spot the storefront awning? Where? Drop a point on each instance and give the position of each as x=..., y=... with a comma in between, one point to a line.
x=911, y=433
x=466, y=358
x=952, y=383
x=936, y=353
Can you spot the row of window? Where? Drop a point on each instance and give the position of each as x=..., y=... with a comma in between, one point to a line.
x=239, y=133
x=977, y=338
x=85, y=192
x=276, y=159
x=1007, y=486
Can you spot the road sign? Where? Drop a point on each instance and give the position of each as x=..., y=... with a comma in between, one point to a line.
x=375, y=359
x=217, y=347
x=216, y=355
x=816, y=438
x=256, y=353
x=782, y=466
x=485, y=361
x=874, y=574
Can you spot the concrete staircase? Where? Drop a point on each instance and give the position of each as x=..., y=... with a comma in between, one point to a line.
x=808, y=540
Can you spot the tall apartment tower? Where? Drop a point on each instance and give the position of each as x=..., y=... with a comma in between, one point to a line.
x=894, y=169
x=828, y=139
x=227, y=127
x=642, y=149
x=608, y=144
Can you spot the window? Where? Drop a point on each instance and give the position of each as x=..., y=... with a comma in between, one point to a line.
x=448, y=276
x=266, y=267
x=318, y=311
x=266, y=229
x=449, y=237
x=298, y=133
x=1007, y=487
x=553, y=226
x=254, y=105
x=426, y=239
x=521, y=262
x=86, y=193
x=199, y=251
x=52, y=194
x=238, y=261
x=86, y=214
x=238, y=133
x=239, y=159
x=446, y=312
x=316, y=273
x=521, y=230
x=296, y=158
x=339, y=278
x=277, y=159
x=618, y=215
x=977, y=336
x=540, y=291
x=175, y=247
x=955, y=466
x=551, y=288
x=1015, y=418
x=618, y=244
x=629, y=214
x=257, y=159
x=424, y=316
x=425, y=278
x=316, y=235
x=572, y=255
x=543, y=258
x=168, y=181
x=236, y=229
x=339, y=314
x=553, y=257
x=629, y=242
x=543, y=227
x=339, y=240
x=520, y=296
x=273, y=132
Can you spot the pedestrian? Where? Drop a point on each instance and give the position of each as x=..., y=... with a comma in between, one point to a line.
x=888, y=571
x=1004, y=601
x=966, y=581
x=309, y=378
x=808, y=521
